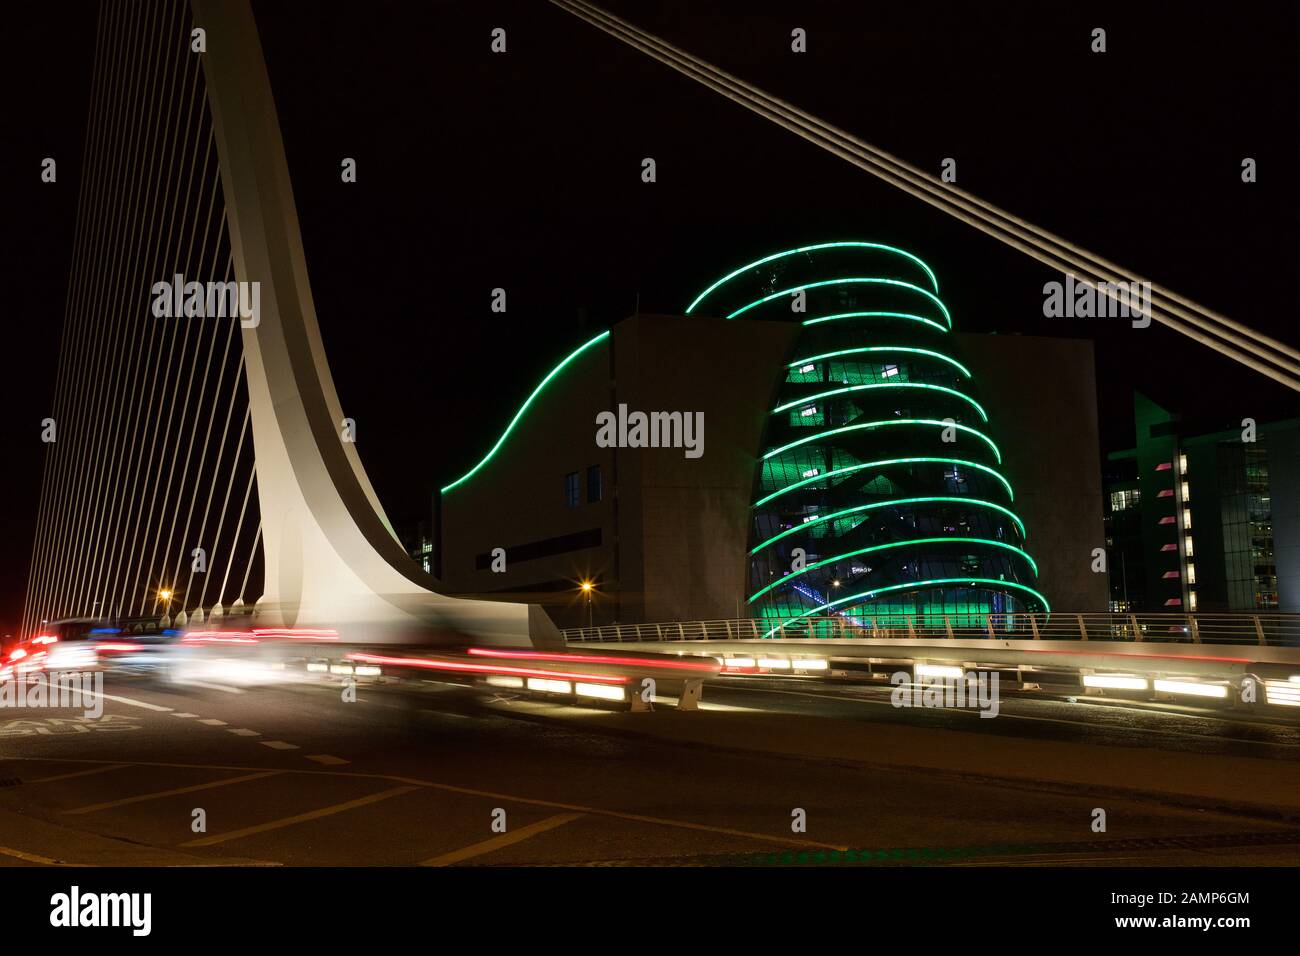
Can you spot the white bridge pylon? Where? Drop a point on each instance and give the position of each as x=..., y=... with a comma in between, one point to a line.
x=332, y=559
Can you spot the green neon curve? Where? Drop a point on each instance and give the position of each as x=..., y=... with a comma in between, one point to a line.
x=891, y=315
x=822, y=245
x=880, y=348
x=845, y=281
x=523, y=408
x=890, y=504
x=858, y=388
x=886, y=461
x=884, y=424
x=912, y=586
x=894, y=544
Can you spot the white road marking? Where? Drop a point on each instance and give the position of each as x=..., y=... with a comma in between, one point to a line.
x=504, y=840
x=278, y=745
x=140, y=798
x=184, y=715
x=243, y=732
x=213, y=722
x=121, y=700
x=79, y=773
x=300, y=818
x=29, y=857
x=326, y=759
x=206, y=686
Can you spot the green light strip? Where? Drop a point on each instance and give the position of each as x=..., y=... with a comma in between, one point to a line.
x=845, y=281
x=912, y=587
x=886, y=461
x=880, y=348
x=895, y=544
x=892, y=315
x=890, y=504
x=885, y=424
x=523, y=408
x=858, y=388
x=823, y=245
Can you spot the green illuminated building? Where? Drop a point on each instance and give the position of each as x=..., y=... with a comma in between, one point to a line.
x=879, y=493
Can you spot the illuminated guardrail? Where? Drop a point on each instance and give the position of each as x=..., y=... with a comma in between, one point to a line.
x=1274, y=630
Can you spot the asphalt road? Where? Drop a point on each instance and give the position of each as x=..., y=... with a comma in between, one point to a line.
x=294, y=776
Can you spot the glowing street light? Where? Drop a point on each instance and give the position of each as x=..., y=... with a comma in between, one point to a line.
x=587, y=588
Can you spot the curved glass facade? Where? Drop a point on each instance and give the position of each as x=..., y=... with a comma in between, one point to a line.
x=879, y=494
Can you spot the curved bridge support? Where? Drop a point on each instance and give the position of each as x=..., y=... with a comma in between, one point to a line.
x=331, y=556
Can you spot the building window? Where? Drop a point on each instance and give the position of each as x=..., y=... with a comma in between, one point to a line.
x=593, y=484
x=1125, y=499
x=571, y=490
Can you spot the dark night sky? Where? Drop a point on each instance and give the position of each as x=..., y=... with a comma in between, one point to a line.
x=522, y=171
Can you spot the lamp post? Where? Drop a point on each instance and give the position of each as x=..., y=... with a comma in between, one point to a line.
x=587, y=588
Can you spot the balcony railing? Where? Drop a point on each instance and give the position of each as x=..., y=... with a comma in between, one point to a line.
x=1278, y=630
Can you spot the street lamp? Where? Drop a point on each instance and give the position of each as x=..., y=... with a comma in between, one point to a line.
x=587, y=587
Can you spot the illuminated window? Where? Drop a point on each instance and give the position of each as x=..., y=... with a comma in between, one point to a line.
x=1187, y=491
x=1191, y=573
x=1191, y=600
x=1125, y=499
x=1182, y=464
x=1187, y=517
x=1188, y=545
x=889, y=371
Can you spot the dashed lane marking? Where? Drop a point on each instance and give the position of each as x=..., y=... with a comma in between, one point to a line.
x=504, y=840
x=140, y=798
x=184, y=715
x=79, y=773
x=278, y=745
x=204, y=685
x=299, y=818
x=326, y=759
x=213, y=722
x=243, y=732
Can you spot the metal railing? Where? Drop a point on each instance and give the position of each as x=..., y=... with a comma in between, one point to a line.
x=1278, y=630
